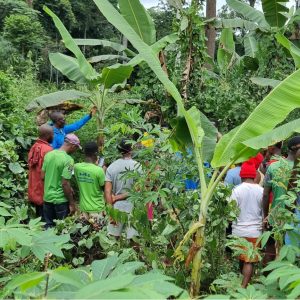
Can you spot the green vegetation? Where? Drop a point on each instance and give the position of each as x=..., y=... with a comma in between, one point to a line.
x=149, y=74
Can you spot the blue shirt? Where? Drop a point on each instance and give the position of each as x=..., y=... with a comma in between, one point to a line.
x=60, y=133
x=233, y=177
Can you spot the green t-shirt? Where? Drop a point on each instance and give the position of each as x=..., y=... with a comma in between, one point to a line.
x=90, y=179
x=57, y=165
x=279, y=173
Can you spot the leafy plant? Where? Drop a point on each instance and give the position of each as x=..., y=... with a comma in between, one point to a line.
x=229, y=149
x=107, y=278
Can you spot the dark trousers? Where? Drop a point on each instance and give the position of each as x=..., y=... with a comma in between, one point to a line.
x=54, y=212
x=39, y=212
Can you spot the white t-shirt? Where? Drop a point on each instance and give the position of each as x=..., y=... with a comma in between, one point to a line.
x=249, y=200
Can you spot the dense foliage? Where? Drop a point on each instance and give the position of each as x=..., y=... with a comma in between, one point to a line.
x=77, y=258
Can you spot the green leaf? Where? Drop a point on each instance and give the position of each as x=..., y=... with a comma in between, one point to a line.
x=99, y=58
x=250, y=45
x=72, y=277
x=249, y=13
x=115, y=74
x=97, y=288
x=266, y=116
x=226, y=48
x=26, y=281
x=127, y=268
x=278, y=134
x=274, y=12
x=139, y=19
x=265, y=81
x=15, y=168
x=293, y=49
x=85, y=68
x=102, y=268
x=236, y=23
x=68, y=66
x=4, y=212
x=55, y=98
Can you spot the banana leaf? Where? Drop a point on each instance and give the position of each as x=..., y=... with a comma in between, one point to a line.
x=96, y=42
x=293, y=49
x=250, y=45
x=68, y=66
x=236, y=23
x=85, y=68
x=274, y=12
x=265, y=81
x=283, y=99
x=249, y=13
x=106, y=57
x=115, y=74
x=139, y=19
x=226, y=48
x=276, y=135
x=54, y=99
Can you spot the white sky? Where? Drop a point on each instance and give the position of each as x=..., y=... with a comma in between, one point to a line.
x=220, y=3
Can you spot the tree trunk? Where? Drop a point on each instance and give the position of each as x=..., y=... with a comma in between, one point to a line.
x=30, y=3
x=252, y=2
x=211, y=12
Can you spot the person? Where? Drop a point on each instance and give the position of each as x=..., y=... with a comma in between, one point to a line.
x=35, y=162
x=248, y=225
x=61, y=129
x=57, y=171
x=233, y=176
x=276, y=182
x=90, y=179
x=116, y=188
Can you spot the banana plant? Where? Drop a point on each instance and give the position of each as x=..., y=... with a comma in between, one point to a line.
x=79, y=69
x=230, y=149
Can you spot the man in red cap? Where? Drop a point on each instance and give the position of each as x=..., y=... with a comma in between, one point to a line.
x=248, y=225
x=58, y=168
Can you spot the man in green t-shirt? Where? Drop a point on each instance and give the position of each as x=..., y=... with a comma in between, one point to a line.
x=57, y=171
x=90, y=179
x=276, y=183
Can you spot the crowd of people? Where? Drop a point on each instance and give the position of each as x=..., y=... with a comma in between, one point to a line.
x=259, y=187
x=51, y=168
x=258, y=184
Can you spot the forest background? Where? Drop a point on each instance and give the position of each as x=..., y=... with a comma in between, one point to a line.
x=225, y=85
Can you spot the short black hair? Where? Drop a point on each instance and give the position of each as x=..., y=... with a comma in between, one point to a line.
x=91, y=149
x=278, y=145
x=294, y=141
x=124, y=147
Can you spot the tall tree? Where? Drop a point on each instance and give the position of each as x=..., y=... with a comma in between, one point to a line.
x=211, y=12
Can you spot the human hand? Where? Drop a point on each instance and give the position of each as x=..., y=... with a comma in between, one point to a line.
x=72, y=208
x=265, y=224
x=93, y=111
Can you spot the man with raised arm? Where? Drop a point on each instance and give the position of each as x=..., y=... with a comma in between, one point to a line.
x=60, y=128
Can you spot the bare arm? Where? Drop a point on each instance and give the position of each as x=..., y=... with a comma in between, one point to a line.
x=108, y=192
x=66, y=185
x=119, y=197
x=42, y=175
x=265, y=202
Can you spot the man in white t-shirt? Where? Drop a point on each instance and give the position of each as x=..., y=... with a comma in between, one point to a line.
x=248, y=225
x=117, y=188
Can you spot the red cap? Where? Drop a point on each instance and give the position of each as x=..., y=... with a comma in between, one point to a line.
x=248, y=170
x=256, y=160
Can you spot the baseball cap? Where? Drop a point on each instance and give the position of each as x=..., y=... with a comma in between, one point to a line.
x=73, y=139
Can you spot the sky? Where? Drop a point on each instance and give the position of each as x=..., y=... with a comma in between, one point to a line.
x=220, y=3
